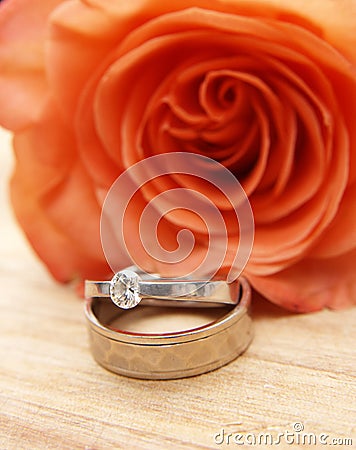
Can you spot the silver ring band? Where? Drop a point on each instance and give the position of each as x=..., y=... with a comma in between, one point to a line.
x=169, y=355
x=129, y=287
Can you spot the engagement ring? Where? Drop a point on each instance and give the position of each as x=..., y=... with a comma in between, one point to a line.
x=130, y=286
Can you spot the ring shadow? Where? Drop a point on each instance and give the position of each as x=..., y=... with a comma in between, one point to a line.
x=261, y=308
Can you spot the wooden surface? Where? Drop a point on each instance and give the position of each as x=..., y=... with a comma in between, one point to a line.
x=299, y=369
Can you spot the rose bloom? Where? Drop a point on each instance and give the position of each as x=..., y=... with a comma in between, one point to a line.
x=266, y=87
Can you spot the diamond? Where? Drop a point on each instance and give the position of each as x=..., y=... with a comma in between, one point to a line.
x=124, y=289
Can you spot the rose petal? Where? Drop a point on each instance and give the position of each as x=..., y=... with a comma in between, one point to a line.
x=312, y=284
x=102, y=168
x=333, y=21
x=84, y=33
x=54, y=200
x=22, y=79
x=80, y=40
x=340, y=236
x=280, y=244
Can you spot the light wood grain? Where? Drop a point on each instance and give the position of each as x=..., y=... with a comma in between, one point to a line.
x=300, y=368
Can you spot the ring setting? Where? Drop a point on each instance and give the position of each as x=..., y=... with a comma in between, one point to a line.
x=124, y=289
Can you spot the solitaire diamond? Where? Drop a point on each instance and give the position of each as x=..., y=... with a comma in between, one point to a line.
x=124, y=289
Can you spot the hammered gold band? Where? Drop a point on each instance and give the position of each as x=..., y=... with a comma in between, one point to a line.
x=174, y=354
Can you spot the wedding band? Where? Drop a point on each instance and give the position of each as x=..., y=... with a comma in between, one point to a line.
x=169, y=355
x=128, y=287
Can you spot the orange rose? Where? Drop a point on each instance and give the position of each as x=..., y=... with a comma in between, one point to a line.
x=266, y=87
